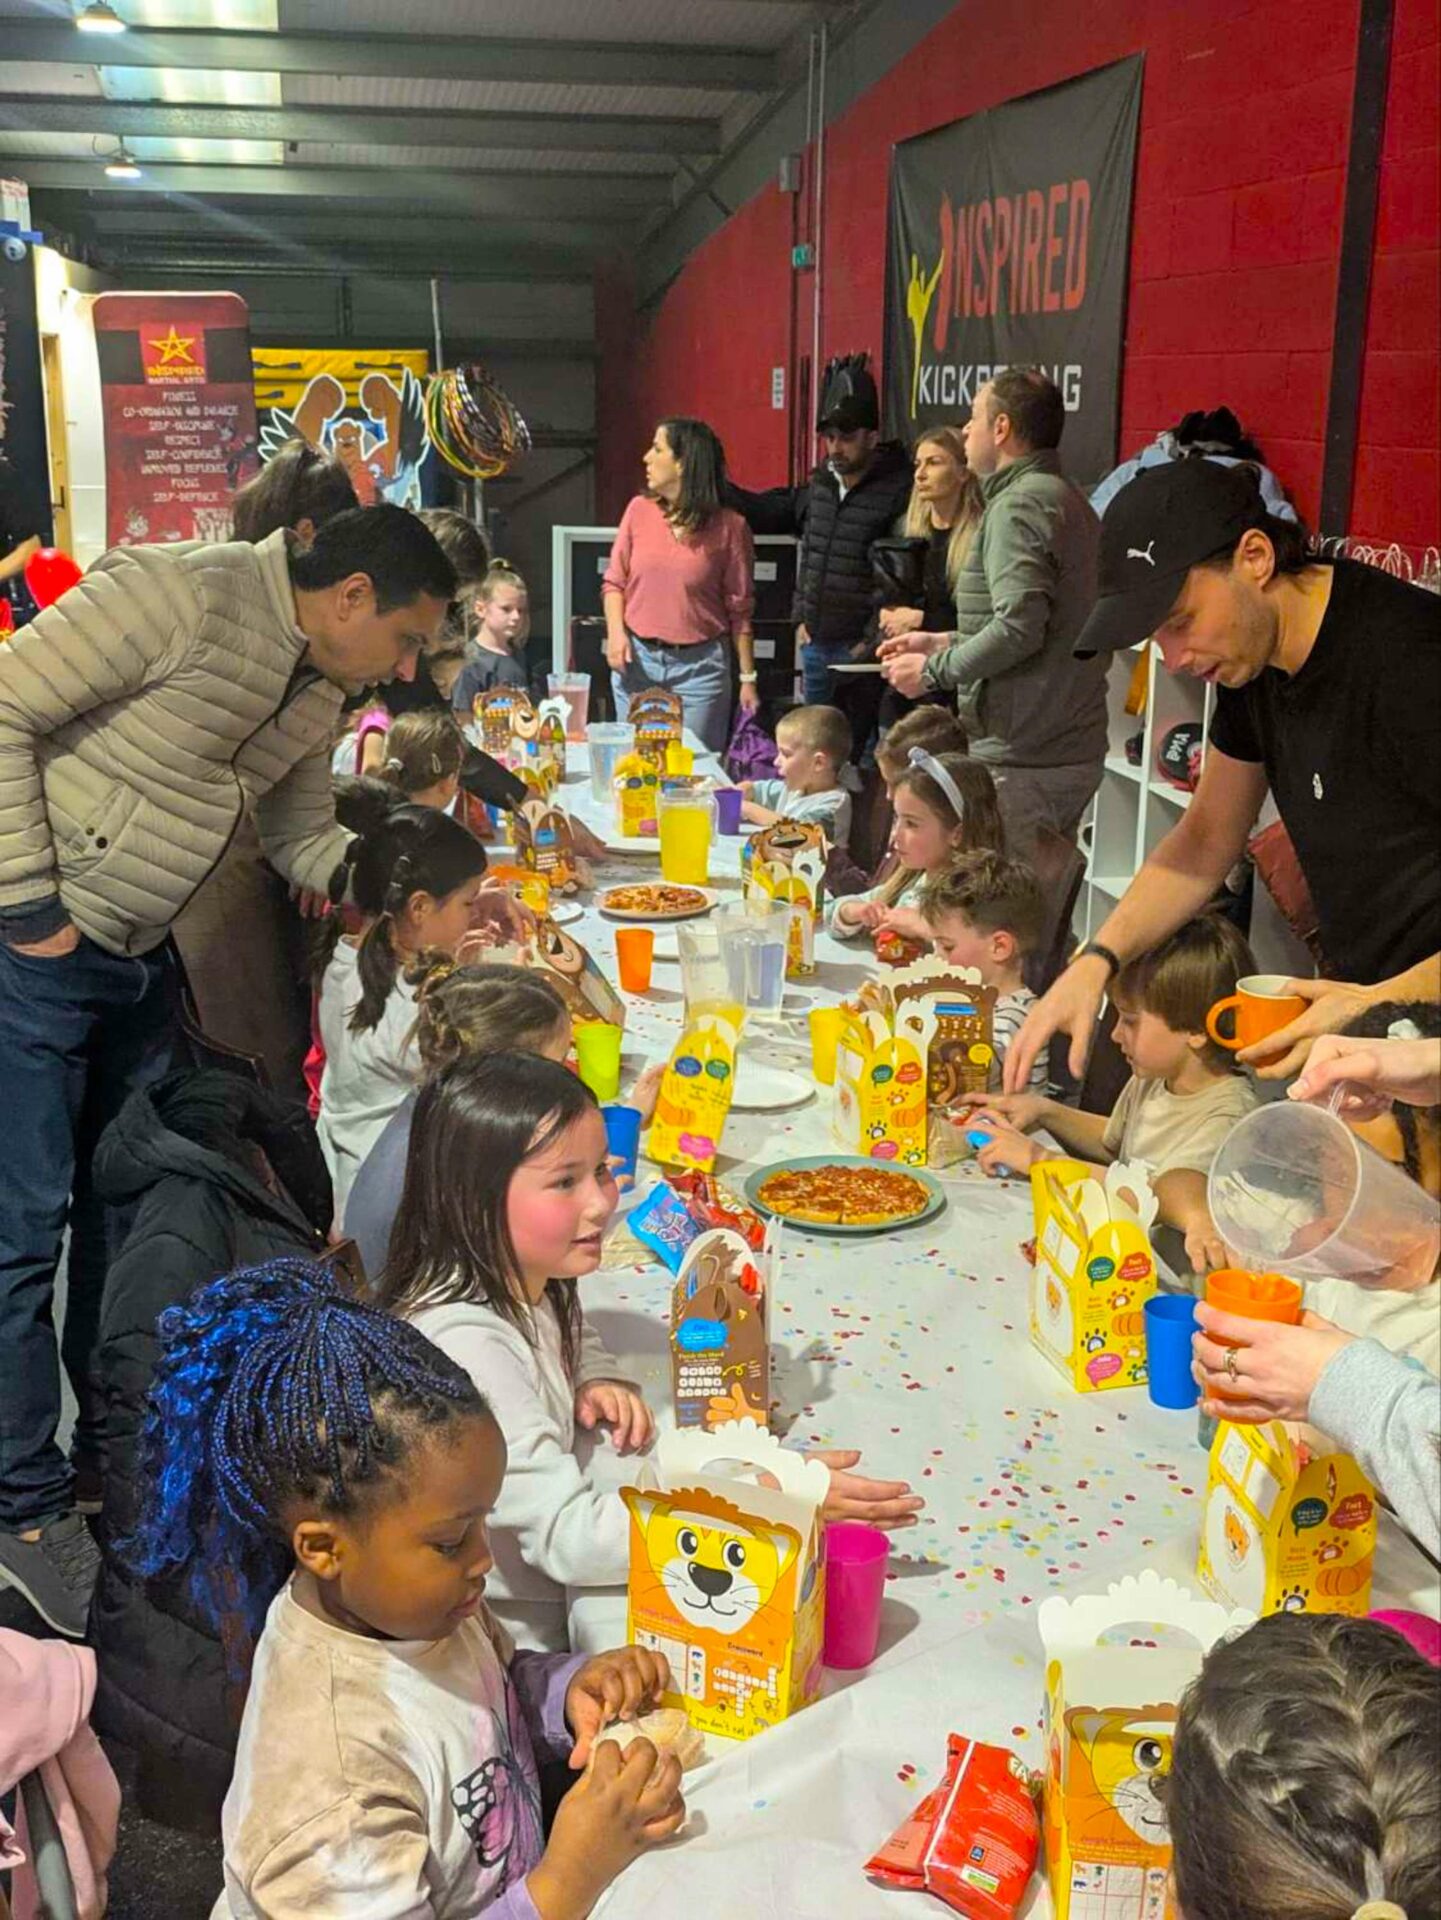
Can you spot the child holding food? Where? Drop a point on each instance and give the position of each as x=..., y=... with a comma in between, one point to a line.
x=812, y=745
x=1184, y=1095
x=508, y=1194
x=988, y=912
x=321, y=1479
x=945, y=805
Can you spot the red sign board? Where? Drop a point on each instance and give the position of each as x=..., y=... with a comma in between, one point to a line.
x=179, y=407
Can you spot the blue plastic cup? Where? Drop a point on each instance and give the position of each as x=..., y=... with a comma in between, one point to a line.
x=1170, y=1322
x=728, y=808
x=622, y=1137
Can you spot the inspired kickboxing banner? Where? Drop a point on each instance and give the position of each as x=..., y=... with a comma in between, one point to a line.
x=367, y=409
x=179, y=413
x=1007, y=246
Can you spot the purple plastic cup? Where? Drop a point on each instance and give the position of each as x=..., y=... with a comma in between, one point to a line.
x=728, y=803
x=856, y=1561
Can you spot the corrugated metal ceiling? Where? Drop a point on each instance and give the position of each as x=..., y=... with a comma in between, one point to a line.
x=757, y=24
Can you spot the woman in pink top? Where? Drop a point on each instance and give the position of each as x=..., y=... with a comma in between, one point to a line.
x=680, y=584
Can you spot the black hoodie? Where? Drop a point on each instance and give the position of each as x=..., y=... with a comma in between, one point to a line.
x=835, y=587
x=181, y=1155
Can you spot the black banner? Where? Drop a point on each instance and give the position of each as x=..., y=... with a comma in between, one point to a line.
x=1007, y=246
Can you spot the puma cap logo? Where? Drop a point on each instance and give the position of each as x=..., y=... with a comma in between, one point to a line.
x=1142, y=553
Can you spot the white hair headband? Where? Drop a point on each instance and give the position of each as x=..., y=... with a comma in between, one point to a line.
x=928, y=763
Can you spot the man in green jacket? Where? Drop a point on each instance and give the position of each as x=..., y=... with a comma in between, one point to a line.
x=1035, y=713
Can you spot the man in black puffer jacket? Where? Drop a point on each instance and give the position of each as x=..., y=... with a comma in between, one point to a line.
x=221, y=1175
x=853, y=498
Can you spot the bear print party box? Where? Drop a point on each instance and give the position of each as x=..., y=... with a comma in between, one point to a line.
x=727, y=1575
x=1094, y=1270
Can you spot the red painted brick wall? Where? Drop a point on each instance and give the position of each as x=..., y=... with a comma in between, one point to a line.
x=1236, y=231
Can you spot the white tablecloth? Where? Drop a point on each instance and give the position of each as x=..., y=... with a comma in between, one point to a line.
x=913, y=1347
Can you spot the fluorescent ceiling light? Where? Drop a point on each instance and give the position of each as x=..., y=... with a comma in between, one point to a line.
x=123, y=165
x=99, y=17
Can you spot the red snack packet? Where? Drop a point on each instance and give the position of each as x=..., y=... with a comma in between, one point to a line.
x=895, y=950
x=973, y=1842
x=707, y=1209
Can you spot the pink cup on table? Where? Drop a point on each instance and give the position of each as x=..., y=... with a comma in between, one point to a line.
x=856, y=1560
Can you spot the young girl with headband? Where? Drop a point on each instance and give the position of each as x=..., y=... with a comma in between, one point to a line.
x=508, y=1194
x=413, y=876
x=320, y=1479
x=945, y=805
x=1303, y=1781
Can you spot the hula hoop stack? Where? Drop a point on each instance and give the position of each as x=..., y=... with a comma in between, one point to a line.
x=473, y=423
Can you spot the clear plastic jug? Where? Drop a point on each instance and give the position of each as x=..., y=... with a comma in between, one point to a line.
x=754, y=938
x=1294, y=1190
x=609, y=741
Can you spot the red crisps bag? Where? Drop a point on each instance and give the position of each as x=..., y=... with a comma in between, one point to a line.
x=973, y=1841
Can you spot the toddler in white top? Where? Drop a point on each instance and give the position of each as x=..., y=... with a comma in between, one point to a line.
x=813, y=744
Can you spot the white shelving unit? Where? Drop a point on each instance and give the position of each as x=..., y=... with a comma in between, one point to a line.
x=1134, y=807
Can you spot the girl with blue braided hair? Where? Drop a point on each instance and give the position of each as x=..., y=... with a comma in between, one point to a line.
x=319, y=1473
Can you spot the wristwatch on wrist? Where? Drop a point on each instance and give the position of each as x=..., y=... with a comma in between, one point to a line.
x=748, y=679
x=1102, y=952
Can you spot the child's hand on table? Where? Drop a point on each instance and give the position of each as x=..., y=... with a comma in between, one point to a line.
x=612, y=1686
x=587, y=844
x=888, y=1504
x=1020, y=1111
x=862, y=913
x=613, y=1404
x=1006, y=1152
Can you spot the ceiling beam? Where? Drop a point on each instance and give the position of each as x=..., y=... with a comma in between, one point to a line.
x=713, y=69
x=536, y=196
x=205, y=263
x=389, y=127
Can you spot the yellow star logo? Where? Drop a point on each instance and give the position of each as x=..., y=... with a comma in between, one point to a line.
x=175, y=351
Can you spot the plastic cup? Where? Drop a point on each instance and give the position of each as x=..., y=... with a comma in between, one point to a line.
x=1170, y=1323
x=826, y=1025
x=597, y=1055
x=574, y=689
x=856, y=1560
x=728, y=803
x=679, y=759
x=622, y=1137
x=609, y=741
x=635, y=951
x=1294, y=1190
x=687, y=823
x=1254, y=1296
x=1260, y=1006
x=1420, y=1629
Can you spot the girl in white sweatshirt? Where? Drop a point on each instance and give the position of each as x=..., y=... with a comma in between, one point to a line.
x=508, y=1193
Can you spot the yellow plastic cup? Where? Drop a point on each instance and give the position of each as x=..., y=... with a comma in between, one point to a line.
x=597, y=1054
x=825, y=1041
x=678, y=759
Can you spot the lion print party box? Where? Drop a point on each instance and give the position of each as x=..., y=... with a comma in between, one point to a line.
x=727, y=1576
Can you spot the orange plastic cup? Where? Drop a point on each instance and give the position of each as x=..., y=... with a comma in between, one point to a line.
x=1252, y=1296
x=635, y=951
x=1259, y=1007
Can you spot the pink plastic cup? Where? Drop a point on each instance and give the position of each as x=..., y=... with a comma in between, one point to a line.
x=1423, y=1632
x=856, y=1560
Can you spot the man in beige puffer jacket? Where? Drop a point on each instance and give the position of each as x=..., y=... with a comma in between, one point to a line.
x=171, y=692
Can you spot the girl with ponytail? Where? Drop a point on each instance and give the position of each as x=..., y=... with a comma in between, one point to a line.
x=319, y=1478
x=412, y=876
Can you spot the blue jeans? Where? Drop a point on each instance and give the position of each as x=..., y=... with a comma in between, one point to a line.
x=819, y=686
x=701, y=675
x=78, y=1033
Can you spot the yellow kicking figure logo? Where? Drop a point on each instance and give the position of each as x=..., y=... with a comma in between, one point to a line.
x=919, y=293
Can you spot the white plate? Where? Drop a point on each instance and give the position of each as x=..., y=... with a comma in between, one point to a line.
x=634, y=847
x=566, y=912
x=855, y=666
x=761, y=1089
x=667, y=947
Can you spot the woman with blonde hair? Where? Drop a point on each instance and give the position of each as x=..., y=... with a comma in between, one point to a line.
x=945, y=509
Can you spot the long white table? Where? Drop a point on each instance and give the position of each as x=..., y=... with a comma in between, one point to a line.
x=914, y=1347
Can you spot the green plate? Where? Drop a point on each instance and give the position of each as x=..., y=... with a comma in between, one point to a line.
x=933, y=1187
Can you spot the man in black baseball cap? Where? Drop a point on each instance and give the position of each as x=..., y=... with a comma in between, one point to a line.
x=1164, y=522
x=1327, y=678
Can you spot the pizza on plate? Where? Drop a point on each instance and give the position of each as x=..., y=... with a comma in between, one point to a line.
x=843, y=1196
x=653, y=899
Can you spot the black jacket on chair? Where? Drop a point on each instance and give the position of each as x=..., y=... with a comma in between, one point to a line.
x=835, y=586
x=181, y=1154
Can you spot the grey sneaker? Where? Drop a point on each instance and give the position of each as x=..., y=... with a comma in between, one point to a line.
x=54, y=1573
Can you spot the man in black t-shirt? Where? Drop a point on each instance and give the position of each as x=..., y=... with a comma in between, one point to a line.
x=1328, y=690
